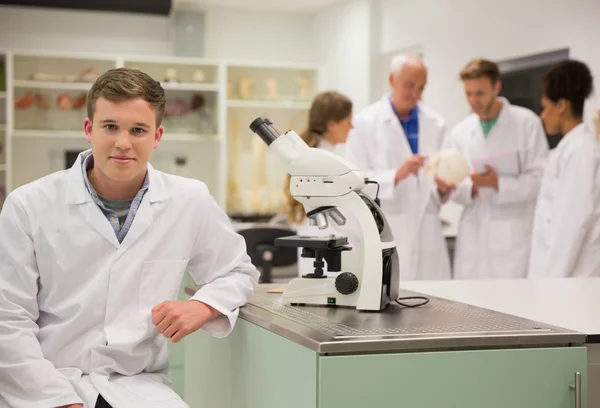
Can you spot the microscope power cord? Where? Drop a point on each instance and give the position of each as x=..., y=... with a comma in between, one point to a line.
x=401, y=300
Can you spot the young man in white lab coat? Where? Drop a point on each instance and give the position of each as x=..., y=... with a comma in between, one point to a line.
x=92, y=258
x=507, y=149
x=391, y=140
x=566, y=231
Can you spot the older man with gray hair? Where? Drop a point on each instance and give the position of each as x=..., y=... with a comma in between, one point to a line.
x=391, y=140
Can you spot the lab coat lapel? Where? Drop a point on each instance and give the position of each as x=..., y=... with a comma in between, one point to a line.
x=78, y=195
x=97, y=220
x=142, y=221
x=428, y=145
x=157, y=191
x=428, y=141
x=398, y=148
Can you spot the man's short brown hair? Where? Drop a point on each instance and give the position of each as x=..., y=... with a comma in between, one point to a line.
x=122, y=84
x=480, y=68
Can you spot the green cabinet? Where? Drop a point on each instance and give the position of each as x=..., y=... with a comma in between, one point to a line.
x=255, y=368
x=520, y=378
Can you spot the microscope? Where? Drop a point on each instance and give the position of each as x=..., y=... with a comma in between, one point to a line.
x=365, y=276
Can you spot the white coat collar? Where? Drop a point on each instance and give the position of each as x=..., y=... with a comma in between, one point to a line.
x=388, y=111
x=78, y=194
x=504, y=112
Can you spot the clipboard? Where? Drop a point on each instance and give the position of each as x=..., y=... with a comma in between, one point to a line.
x=507, y=163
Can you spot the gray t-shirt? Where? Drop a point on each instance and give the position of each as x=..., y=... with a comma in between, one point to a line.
x=121, y=207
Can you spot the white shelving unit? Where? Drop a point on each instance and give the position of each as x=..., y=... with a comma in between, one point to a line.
x=209, y=110
x=283, y=93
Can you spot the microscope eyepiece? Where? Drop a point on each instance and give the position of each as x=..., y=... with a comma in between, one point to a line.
x=265, y=129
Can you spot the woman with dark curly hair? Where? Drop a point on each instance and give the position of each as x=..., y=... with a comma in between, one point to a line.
x=566, y=234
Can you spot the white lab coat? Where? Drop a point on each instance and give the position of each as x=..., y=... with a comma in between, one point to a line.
x=494, y=234
x=75, y=305
x=379, y=146
x=566, y=232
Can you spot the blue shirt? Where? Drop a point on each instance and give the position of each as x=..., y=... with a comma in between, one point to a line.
x=121, y=231
x=411, y=127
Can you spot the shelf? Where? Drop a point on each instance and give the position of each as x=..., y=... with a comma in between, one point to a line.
x=79, y=86
x=240, y=103
x=76, y=134
x=190, y=87
x=51, y=134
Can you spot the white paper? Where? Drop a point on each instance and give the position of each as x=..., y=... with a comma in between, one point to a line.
x=506, y=163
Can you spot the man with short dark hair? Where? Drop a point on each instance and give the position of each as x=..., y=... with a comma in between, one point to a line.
x=507, y=149
x=92, y=259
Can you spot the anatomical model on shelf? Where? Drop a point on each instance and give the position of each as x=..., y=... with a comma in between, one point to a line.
x=171, y=75
x=198, y=76
x=233, y=187
x=246, y=87
x=303, y=88
x=271, y=89
x=260, y=199
x=65, y=102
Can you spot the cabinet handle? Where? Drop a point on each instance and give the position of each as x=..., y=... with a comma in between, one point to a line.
x=577, y=388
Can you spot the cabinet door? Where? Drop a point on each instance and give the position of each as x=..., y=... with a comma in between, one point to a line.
x=518, y=378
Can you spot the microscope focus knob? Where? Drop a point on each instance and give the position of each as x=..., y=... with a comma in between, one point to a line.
x=346, y=283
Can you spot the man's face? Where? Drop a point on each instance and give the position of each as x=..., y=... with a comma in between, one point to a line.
x=408, y=85
x=481, y=94
x=123, y=135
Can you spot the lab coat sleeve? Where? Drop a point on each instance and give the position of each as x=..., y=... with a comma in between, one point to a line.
x=221, y=265
x=573, y=210
x=27, y=379
x=359, y=152
x=526, y=186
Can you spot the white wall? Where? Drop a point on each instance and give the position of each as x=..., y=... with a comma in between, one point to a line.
x=82, y=31
x=343, y=37
x=453, y=32
x=259, y=36
x=231, y=34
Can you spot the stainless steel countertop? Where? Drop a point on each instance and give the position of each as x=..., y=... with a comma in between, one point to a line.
x=440, y=325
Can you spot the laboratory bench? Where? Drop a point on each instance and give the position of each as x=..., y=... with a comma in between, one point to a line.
x=572, y=303
x=447, y=353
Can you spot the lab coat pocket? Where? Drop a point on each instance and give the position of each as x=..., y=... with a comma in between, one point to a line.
x=160, y=282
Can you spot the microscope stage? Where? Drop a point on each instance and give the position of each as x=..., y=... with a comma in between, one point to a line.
x=325, y=242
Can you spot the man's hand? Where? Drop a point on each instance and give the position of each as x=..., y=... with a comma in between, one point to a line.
x=443, y=188
x=71, y=406
x=177, y=318
x=410, y=166
x=488, y=179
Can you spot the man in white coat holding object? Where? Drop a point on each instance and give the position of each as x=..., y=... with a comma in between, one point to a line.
x=391, y=140
x=92, y=259
x=507, y=149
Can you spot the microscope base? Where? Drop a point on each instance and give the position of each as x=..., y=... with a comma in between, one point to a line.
x=318, y=292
